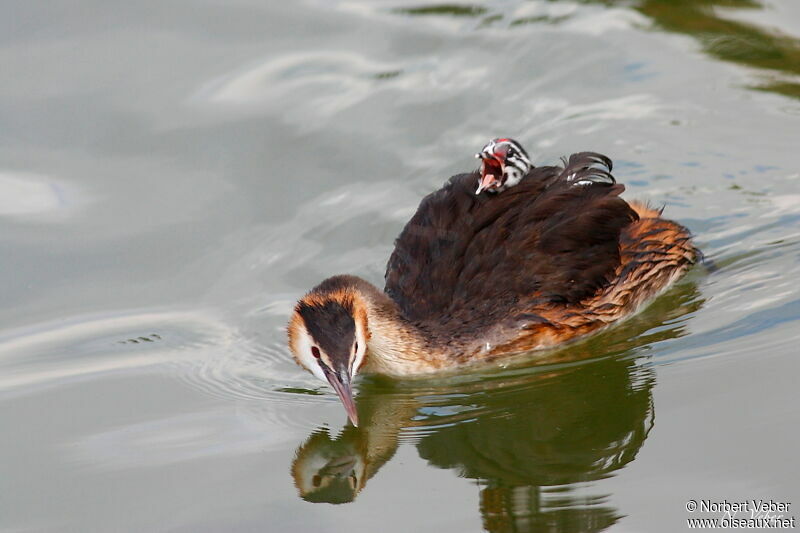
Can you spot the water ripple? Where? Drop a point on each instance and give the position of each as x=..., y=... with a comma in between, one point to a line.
x=196, y=348
x=65, y=350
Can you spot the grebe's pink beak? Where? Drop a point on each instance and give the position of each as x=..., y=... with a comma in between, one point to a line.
x=340, y=381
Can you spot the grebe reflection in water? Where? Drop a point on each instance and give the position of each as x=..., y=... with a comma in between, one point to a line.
x=527, y=436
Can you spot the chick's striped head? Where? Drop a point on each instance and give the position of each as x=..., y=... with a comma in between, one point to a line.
x=504, y=162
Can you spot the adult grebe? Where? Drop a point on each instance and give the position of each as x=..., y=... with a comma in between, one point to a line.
x=533, y=258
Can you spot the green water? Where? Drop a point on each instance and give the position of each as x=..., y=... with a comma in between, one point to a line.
x=174, y=175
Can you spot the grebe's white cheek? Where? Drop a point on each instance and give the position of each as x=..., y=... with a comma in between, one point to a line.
x=361, y=339
x=308, y=360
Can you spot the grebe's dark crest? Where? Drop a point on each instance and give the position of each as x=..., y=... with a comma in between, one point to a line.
x=557, y=254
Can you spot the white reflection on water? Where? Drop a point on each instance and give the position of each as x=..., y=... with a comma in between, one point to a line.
x=597, y=114
x=259, y=81
x=489, y=16
x=24, y=195
x=606, y=21
x=785, y=203
x=319, y=84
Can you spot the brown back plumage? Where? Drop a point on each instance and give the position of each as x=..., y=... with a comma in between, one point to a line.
x=467, y=261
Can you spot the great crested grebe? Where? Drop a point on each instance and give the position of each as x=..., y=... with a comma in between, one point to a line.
x=533, y=258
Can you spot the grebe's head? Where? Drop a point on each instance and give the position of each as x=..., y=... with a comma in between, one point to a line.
x=328, y=337
x=504, y=162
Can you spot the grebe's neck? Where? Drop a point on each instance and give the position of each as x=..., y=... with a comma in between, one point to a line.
x=395, y=345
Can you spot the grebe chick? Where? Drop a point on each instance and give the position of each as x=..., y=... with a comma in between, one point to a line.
x=504, y=162
x=475, y=277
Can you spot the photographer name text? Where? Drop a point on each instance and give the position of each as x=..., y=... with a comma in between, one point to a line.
x=757, y=507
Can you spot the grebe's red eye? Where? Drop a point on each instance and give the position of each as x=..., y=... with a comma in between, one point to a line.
x=315, y=352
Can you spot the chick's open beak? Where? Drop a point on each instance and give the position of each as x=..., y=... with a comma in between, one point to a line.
x=340, y=381
x=489, y=181
x=491, y=170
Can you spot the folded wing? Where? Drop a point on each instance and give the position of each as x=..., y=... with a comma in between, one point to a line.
x=468, y=260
